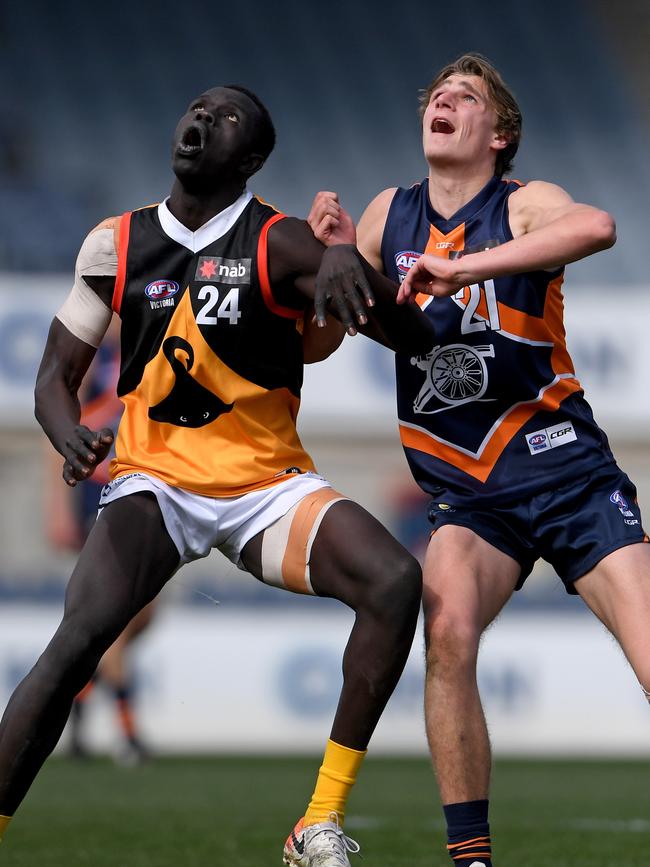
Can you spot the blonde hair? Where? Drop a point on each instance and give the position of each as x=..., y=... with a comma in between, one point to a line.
x=501, y=97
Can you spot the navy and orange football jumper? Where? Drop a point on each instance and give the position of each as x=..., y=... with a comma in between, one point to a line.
x=500, y=374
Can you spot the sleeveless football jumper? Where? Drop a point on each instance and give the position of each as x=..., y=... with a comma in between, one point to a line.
x=211, y=365
x=494, y=412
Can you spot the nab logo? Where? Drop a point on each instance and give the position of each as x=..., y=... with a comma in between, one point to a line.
x=161, y=289
x=234, y=272
x=405, y=260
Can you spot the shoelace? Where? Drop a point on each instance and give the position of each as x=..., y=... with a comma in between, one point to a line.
x=335, y=837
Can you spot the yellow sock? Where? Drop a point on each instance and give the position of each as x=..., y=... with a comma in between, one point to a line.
x=336, y=776
x=4, y=821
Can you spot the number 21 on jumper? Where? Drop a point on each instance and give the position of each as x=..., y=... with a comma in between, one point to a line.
x=473, y=321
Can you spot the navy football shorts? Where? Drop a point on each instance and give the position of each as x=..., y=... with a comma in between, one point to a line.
x=572, y=527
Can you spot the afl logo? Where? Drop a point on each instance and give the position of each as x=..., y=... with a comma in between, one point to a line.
x=161, y=289
x=405, y=260
x=537, y=440
x=618, y=499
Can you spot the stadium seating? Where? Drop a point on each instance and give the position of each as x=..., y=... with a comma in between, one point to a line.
x=95, y=97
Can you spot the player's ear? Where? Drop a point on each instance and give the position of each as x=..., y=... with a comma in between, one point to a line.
x=251, y=164
x=500, y=141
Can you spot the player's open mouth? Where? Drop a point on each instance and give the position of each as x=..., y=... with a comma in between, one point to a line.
x=441, y=125
x=192, y=140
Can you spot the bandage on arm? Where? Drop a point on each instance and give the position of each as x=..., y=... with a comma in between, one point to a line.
x=83, y=313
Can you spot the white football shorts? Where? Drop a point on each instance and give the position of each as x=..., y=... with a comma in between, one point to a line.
x=196, y=523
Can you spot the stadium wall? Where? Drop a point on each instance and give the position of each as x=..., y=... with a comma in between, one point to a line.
x=353, y=391
x=260, y=682
x=263, y=674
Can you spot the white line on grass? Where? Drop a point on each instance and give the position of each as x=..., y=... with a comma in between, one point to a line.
x=637, y=826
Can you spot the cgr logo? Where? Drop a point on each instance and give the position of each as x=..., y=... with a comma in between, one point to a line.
x=550, y=437
x=161, y=289
x=405, y=260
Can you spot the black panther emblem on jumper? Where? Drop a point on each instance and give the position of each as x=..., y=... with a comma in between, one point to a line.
x=188, y=404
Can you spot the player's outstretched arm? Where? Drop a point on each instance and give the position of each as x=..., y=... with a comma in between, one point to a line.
x=364, y=300
x=549, y=230
x=293, y=250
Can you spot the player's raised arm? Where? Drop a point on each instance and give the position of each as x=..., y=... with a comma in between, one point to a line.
x=294, y=252
x=549, y=230
x=74, y=336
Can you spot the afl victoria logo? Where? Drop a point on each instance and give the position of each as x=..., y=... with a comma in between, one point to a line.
x=537, y=439
x=161, y=289
x=405, y=260
x=618, y=499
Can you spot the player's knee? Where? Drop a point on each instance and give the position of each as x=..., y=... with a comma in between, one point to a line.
x=397, y=587
x=402, y=582
x=451, y=643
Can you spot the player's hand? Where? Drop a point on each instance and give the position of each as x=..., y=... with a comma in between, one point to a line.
x=342, y=287
x=330, y=222
x=431, y=275
x=84, y=451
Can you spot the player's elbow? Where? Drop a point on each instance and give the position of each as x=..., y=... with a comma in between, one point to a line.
x=602, y=229
x=319, y=343
x=314, y=354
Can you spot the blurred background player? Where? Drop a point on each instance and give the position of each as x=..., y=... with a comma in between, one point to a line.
x=493, y=420
x=70, y=515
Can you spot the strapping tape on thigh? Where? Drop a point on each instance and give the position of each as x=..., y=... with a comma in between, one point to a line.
x=286, y=546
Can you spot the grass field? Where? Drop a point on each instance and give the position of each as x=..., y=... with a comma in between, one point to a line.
x=236, y=812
